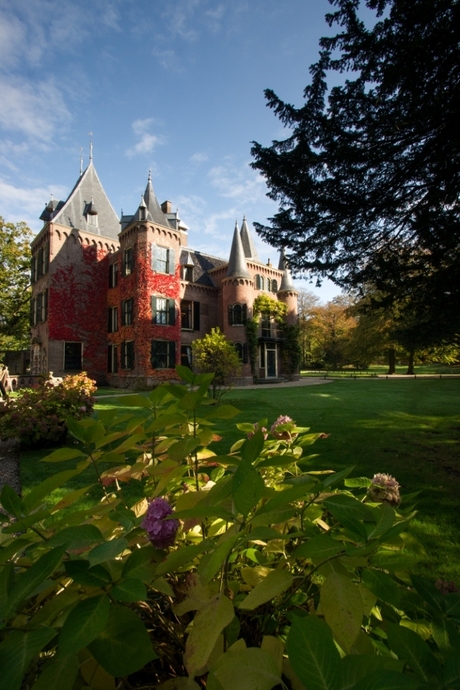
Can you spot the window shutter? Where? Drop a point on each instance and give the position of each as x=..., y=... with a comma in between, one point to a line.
x=154, y=309
x=172, y=262
x=32, y=312
x=33, y=269
x=109, y=359
x=196, y=316
x=45, y=305
x=131, y=355
x=230, y=315
x=172, y=354
x=109, y=320
x=244, y=313
x=123, y=313
x=115, y=359
x=172, y=312
x=153, y=250
x=153, y=354
x=40, y=307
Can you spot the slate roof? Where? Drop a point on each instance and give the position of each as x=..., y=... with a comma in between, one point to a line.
x=286, y=281
x=249, y=248
x=202, y=263
x=87, y=195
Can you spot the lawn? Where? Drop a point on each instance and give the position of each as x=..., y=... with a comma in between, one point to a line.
x=407, y=428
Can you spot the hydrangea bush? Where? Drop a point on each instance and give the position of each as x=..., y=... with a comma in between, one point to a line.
x=250, y=570
x=37, y=416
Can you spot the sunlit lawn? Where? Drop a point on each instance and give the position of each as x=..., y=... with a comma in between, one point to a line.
x=407, y=428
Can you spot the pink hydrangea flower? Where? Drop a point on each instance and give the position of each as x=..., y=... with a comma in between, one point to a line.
x=162, y=533
x=256, y=428
x=282, y=433
x=385, y=488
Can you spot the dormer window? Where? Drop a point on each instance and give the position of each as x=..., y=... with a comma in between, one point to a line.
x=91, y=214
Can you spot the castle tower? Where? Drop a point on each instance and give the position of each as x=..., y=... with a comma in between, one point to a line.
x=287, y=292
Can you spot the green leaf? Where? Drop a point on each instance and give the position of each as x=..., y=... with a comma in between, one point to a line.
x=80, y=572
x=179, y=558
x=342, y=606
x=336, y=477
x=382, y=585
x=38, y=493
x=26, y=522
x=182, y=449
x=387, y=559
x=252, y=447
x=212, y=562
x=451, y=674
x=445, y=634
x=273, y=584
x=389, y=680
x=313, y=654
x=246, y=669
x=124, y=646
x=10, y=500
x=141, y=564
x=248, y=488
x=62, y=454
x=190, y=400
x=319, y=549
x=185, y=374
x=83, y=624
x=355, y=667
x=129, y=591
x=107, y=550
x=223, y=412
x=429, y=593
x=6, y=583
x=283, y=498
x=136, y=400
x=58, y=674
x=77, y=537
x=408, y=646
x=207, y=626
x=385, y=519
x=345, y=508
x=87, y=430
x=358, y=482
x=16, y=653
x=26, y=583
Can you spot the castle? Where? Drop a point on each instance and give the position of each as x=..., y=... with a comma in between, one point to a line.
x=124, y=299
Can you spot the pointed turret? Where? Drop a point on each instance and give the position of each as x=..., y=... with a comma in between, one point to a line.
x=286, y=281
x=250, y=251
x=153, y=207
x=237, y=267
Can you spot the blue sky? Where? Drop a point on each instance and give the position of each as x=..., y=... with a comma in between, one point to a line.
x=175, y=86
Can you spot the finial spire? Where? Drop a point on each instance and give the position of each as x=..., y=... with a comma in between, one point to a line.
x=150, y=175
x=91, y=147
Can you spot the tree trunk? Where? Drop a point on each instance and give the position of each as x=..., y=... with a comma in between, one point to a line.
x=391, y=361
x=410, y=365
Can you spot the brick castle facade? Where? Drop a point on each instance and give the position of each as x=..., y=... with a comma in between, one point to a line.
x=124, y=299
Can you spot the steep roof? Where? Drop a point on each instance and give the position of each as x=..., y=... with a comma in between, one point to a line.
x=286, y=281
x=202, y=263
x=81, y=204
x=237, y=267
x=153, y=209
x=249, y=248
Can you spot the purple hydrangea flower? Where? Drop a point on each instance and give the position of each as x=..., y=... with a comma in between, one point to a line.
x=162, y=533
x=256, y=428
x=284, y=434
x=385, y=488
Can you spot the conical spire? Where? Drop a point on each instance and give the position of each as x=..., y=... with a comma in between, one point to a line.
x=286, y=281
x=250, y=251
x=237, y=267
x=152, y=205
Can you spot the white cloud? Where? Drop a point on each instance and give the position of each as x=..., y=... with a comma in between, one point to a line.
x=35, y=111
x=244, y=185
x=21, y=204
x=10, y=153
x=199, y=158
x=147, y=141
x=214, y=18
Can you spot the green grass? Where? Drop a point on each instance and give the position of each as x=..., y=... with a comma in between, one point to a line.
x=407, y=428
x=382, y=370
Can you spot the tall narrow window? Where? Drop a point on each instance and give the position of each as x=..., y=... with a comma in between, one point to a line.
x=128, y=261
x=113, y=275
x=163, y=259
x=237, y=314
x=127, y=315
x=186, y=314
x=266, y=326
x=112, y=325
x=127, y=355
x=39, y=308
x=112, y=359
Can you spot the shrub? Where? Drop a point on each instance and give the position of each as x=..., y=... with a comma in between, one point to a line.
x=276, y=577
x=38, y=416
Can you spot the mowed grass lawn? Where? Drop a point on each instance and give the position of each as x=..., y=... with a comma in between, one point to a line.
x=407, y=428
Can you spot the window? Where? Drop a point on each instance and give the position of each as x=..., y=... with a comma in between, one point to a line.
x=190, y=315
x=92, y=219
x=186, y=356
x=73, y=356
x=128, y=261
x=269, y=285
x=163, y=259
x=113, y=275
x=112, y=325
x=187, y=273
x=127, y=355
x=266, y=326
x=32, y=314
x=112, y=359
x=163, y=354
x=163, y=311
x=39, y=308
x=274, y=286
x=42, y=261
x=242, y=351
x=127, y=312
x=237, y=314
x=33, y=269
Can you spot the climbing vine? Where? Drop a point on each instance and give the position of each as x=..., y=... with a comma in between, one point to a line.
x=263, y=304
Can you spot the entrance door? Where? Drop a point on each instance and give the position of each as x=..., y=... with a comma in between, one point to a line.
x=271, y=363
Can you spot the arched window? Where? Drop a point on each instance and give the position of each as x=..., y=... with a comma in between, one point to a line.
x=258, y=282
x=269, y=285
x=274, y=286
x=237, y=314
x=242, y=351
